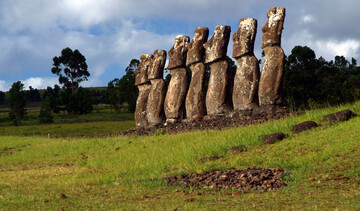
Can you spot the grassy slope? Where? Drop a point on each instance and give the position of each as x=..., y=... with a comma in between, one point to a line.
x=126, y=172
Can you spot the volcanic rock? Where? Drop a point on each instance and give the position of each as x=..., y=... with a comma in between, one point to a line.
x=142, y=81
x=141, y=105
x=272, y=30
x=266, y=179
x=174, y=105
x=272, y=138
x=195, y=98
x=141, y=72
x=340, y=116
x=304, y=126
x=177, y=54
x=271, y=79
x=157, y=64
x=196, y=50
x=155, y=104
x=216, y=47
x=246, y=83
x=244, y=38
x=218, y=90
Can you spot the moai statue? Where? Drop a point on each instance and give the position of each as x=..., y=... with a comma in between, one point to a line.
x=215, y=55
x=174, y=105
x=272, y=72
x=195, y=98
x=142, y=82
x=246, y=82
x=155, y=103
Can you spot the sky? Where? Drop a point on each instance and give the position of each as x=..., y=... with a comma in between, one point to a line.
x=110, y=33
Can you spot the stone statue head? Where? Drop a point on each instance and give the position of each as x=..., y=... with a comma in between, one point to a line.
x=177, y=54
x=244, y=38
x=196, y=50
x=157, y=64
x=216, y=47
x=273, y=28
x=141, y=72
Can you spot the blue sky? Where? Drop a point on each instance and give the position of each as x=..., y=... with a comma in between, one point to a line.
x=109, y=33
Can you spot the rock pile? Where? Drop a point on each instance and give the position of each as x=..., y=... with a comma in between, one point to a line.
x=266, y=179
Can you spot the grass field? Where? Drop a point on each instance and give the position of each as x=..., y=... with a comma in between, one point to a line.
x=101, y=121
x=126, y=172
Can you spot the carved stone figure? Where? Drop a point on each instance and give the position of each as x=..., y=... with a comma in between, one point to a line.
x=196, y=48
x=215, y=55
x=142, y=82
x=177, y=54
x=272, y=72
x=155, y=104
x=244, y=38
x=195, y=98
x=246, y=82
x=216, y=47
x=174, y=105
x=272, y=30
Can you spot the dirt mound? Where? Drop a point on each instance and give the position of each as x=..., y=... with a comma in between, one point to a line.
x=209, y=123
x=266, y=179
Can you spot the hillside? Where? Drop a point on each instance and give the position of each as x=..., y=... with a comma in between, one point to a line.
x=322, y=168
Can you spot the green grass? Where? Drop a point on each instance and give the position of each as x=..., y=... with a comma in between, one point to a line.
x=125, y=173
x=101, y=121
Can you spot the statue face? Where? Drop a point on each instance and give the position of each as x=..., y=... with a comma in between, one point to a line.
x=177, y=54
x=157, y=64
x=141, y=72
x=216, y=47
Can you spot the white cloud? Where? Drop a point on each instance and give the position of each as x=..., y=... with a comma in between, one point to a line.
x=4, y=85
x=347, y=48
x=40, y=83
x=308, y=19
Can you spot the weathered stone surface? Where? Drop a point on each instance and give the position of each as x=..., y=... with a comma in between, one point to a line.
x=141, y=72
x=304, y=126
x=340, y=116
x=195, y=98
x=216, y=47
x=273, y=28
x=157, y=64
x=244, y=38
x=271, y=79
x=246, y=83
x=141, y=105
x=196, y=48
x=177, y=54
x=175, y=97
x=272, y=138
x=217, y=93
x=155, y=104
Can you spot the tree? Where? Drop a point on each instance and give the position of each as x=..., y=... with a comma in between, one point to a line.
x=300, y=80
x=33, y=95
x=128, y=90
x=113, y=94
x=45, y=116
x=2, y=97
x=71, y=68
x=17, y=101
x=78, y=103
x=54, y=98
